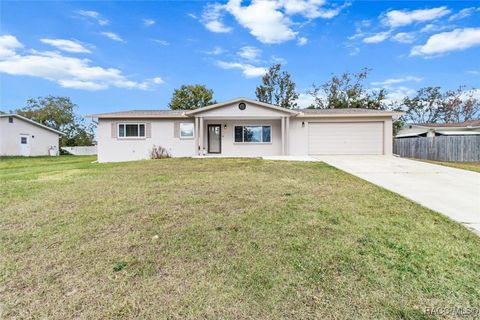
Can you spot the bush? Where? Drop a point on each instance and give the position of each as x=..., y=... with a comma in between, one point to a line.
x=159, y=152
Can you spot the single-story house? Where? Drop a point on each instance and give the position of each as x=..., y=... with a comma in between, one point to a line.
x=20, y=136
x=243, y=128
x=431, y=130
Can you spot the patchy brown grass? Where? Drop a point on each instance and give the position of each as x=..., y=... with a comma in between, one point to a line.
x=471, y=166
x=221, y=238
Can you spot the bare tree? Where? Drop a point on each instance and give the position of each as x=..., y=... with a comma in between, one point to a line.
x=347, y=91
x=460, y=105
x=277, y=88
x=431, y=105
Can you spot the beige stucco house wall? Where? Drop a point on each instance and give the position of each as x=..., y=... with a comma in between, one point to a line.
x=112, y=148
x=20, y=136
x=292, y=132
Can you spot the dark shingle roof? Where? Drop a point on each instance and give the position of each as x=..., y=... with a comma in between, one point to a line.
x=142, y=113
x=304, y=112
x=344, y=111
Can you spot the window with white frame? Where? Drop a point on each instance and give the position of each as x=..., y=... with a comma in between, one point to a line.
x=253, y=134
x=186, y=130
x=131, y=130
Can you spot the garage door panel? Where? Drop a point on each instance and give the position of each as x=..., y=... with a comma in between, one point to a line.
x=345, y=138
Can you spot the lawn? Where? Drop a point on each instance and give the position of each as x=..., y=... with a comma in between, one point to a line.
x=471, y=166
x=221, y=238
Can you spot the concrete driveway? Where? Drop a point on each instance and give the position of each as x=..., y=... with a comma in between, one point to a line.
x=452, y=192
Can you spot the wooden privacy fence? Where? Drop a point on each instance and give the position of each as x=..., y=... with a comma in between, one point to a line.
x=441, y=148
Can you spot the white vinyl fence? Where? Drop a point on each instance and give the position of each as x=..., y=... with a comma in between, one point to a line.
x=81, y=151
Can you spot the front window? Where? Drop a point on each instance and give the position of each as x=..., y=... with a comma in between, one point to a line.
x=23, y=140
x=186, y=130
x=253, y=134
x=131, y=130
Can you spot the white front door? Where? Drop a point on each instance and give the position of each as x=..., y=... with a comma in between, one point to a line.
x=24, y=145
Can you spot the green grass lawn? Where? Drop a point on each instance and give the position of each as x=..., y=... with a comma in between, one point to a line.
x=471, y=166
x=221, y=238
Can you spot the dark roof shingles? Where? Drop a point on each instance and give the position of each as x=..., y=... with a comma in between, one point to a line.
x=143, y=113
x=341, y=111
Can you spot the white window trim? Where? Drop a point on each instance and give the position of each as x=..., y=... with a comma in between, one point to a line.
x=125, y=130
x=188, y=137
x=253, y=125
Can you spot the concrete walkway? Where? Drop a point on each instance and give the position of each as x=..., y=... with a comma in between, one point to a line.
x=452, y=192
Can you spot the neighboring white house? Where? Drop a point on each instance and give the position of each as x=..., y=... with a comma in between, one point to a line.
x=20, y=136
x=243, y=127
x=440, y=129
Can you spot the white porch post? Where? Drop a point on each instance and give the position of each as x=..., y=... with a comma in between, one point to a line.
x=283, y=135
x=287, y=136
x=201, y=136
x=197, y=131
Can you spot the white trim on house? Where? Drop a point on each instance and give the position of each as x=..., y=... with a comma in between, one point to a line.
x=457, y=133
x=180, y=131
x=239, y=100
x=125, y=130
x=251, y=125
x=415, y=130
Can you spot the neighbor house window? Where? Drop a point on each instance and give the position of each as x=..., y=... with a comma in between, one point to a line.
x=186, y=130
x=23, y=140
x=253, y=134
x=10, y=119
x=131, y=130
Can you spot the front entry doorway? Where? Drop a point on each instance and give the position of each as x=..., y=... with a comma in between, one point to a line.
x=214, y=137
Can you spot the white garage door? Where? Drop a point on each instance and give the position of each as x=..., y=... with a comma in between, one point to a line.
x=345, y=138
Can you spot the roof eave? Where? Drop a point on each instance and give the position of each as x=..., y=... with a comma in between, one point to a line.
x=137, y=116
x=444, y=127
x=347, y=115
x=221, y=104
x=33, y=122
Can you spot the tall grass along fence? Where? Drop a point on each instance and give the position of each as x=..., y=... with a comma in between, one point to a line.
x=441, y=148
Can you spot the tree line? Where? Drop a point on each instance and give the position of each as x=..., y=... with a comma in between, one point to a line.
x=60, y=114
x=347, y=90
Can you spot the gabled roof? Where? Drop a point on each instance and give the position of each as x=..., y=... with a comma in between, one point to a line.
x=238, y=100
x=31, y=121
x=172, y=114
